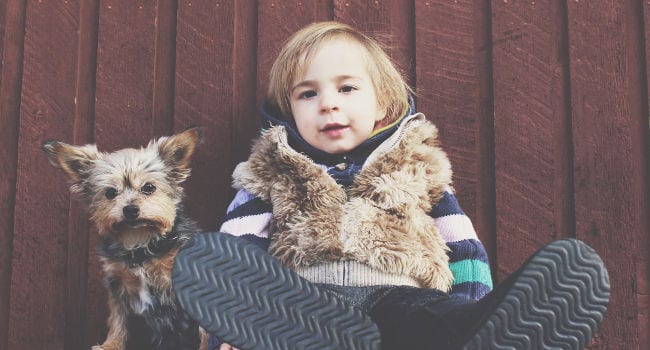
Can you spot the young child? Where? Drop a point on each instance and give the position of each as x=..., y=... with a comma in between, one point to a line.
x=350, y=237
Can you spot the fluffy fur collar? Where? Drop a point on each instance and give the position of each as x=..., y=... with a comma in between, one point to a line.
x=380, y=220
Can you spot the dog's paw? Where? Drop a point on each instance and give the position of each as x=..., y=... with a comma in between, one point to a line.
x=104, y=347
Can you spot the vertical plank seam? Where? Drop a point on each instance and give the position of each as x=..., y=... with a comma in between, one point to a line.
x=235, y=134
x=10, y=108
x=164, y=68
x=83, y=125
x=414, y=52
x=487, y=152
x=644, y=322
x=84, y=118
x=412, y=73
x=567, y=212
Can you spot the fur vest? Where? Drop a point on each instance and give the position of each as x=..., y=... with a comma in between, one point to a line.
x=380, y=220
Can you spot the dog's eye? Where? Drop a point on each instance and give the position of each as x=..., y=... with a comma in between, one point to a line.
x=110, y=193
x=148, y=188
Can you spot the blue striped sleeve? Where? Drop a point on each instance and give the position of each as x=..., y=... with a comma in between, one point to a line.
x=470, y=290
x=261, y=242
x=467, y=249
x=252, y=207
x=447, y=205
x=247, y=215
x=468, y=262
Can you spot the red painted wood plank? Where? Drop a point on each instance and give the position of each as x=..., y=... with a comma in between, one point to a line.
x=125, y=71
x=79, y=330
x=125, y=82
x=389, y=22
x=277, y=20
x=245, y=116
x=164, y=67
x=643, y=273
x=41, y=211
x=12, y=15
x=454, y=91
x=609, y=104
x=207, y=81
x=532, y=129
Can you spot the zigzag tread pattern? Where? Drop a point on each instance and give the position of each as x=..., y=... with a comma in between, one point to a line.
x=262, y=304
x=558, y=301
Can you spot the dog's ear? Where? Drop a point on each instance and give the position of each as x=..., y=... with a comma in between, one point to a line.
x=177, y=150
x=75, y=161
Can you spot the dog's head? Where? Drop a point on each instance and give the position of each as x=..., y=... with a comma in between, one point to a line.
x=131, y=194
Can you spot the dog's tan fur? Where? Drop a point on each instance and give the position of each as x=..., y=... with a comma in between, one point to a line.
x=148, y=179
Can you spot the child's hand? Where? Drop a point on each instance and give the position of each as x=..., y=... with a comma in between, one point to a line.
x=227, y=347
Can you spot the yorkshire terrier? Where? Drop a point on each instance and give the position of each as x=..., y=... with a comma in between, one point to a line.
x=134, y=199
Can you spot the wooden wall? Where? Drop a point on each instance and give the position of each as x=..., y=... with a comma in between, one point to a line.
x=542, y=106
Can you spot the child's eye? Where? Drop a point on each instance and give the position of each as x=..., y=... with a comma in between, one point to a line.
x=307, y=94
x=347, y=88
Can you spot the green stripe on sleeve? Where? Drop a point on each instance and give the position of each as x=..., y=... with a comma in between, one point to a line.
x=471, y=271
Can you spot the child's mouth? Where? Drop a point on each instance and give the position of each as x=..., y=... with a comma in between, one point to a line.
x=334, y=129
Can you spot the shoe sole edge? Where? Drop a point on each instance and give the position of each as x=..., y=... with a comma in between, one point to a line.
x=262, y=304
x=535, y=312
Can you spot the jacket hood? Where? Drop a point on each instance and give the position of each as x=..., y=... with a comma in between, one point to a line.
x=273, y=117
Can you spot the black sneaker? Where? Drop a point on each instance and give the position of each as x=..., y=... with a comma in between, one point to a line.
x=557, y=300
x=239, y=293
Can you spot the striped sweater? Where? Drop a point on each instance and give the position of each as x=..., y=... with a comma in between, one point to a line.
x=249, y=216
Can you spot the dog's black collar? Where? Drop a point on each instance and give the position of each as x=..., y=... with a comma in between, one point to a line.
x=136, y=257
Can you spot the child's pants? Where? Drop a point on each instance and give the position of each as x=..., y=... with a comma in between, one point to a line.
x=410, y=317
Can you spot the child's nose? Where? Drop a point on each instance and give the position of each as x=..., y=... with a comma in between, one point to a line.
x=329, y=102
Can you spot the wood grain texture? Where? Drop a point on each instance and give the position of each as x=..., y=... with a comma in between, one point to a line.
x=80, y=317
x=42, y=197
x=609, y=111
x=277, y=20
x=209, y=93
x=454, y=91
x=245, y=116
x=643, y=267
x=12, y=23
x=532, y=130
x=124, y=95
x=164, y=67
x=126, y=51
x=389, y=22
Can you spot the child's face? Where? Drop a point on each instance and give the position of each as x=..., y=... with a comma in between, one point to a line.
x=335, y=103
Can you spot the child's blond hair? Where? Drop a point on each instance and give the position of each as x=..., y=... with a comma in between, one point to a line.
x=391, y=88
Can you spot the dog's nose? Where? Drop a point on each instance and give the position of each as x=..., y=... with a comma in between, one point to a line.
x=131, y=212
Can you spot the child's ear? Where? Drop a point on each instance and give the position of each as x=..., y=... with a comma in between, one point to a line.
x=75, y=161
x=177, y=150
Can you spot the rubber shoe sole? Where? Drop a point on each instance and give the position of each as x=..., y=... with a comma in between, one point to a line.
x=239, y=293
x=557, y=302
